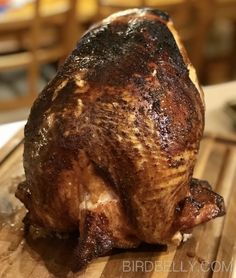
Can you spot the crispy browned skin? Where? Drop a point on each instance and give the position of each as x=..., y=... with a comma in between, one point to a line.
x=111, y=142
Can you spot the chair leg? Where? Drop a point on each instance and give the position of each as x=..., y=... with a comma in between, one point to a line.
x=33, y=79
x=233, y=56
x=206, y=11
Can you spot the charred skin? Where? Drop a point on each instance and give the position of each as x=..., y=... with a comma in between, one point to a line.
x=111, y=142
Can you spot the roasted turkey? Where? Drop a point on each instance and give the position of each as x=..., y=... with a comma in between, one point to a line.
x=111, y=142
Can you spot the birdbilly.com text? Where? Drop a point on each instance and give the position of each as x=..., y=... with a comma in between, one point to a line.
x=180, y=266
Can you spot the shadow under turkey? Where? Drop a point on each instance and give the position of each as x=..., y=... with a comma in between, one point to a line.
x=57, y=252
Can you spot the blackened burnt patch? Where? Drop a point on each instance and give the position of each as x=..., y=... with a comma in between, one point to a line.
x=127, y=46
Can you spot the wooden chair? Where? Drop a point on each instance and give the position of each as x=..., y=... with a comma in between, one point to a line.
x=32, y=50
x=191, y=18
x=226, y=9
x=220, y=62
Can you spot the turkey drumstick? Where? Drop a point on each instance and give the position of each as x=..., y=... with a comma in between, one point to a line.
x=111, y=142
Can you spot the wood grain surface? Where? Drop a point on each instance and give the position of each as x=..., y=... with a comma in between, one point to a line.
x=210, y=252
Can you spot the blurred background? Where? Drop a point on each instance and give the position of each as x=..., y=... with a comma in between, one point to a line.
x=37, y=35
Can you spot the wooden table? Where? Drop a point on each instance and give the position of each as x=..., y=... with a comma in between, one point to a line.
x=212, y=246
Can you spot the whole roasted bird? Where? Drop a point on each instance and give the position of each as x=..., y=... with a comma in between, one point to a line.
x=111, y=142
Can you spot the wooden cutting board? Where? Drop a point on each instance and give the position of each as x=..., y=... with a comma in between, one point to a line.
x=209, y=253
